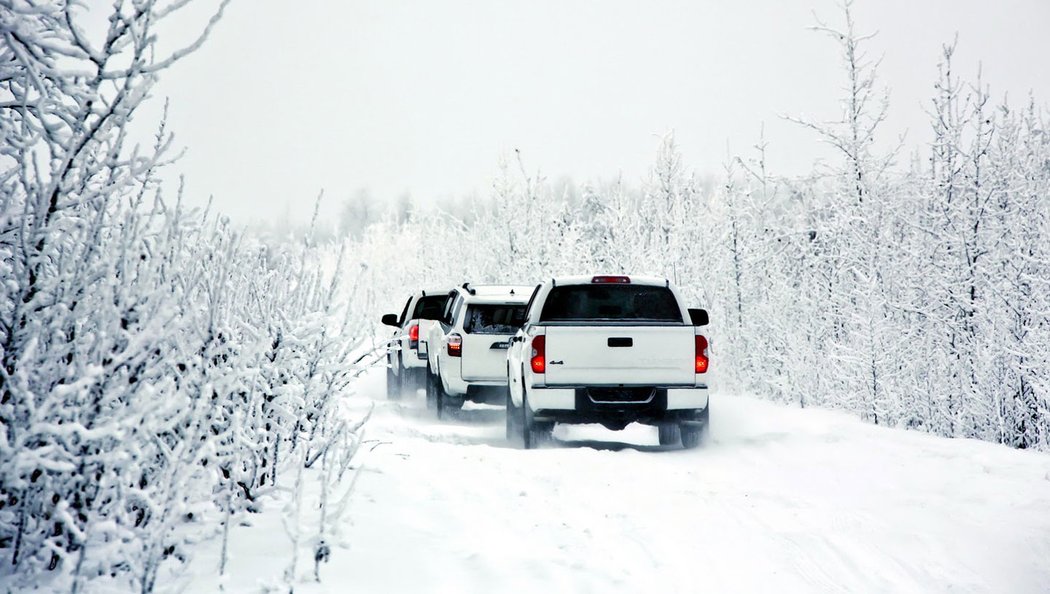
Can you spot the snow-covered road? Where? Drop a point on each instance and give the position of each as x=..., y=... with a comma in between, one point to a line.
x=785, y=499
x=781, y=499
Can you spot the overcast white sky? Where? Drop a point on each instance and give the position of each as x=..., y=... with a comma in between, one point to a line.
x=422, y=97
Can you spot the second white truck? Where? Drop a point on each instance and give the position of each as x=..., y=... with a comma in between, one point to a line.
x=467, y=347
x=613, y=350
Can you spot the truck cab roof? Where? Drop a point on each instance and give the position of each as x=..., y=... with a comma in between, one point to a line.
x=495, y=293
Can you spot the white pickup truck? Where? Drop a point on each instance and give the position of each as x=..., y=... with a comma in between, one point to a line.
x=406, y=364
x=467, y=347
x=611, y=350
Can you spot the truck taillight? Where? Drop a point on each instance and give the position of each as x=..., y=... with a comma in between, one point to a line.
x=539, y=354
x=413, y=335
x=701, y=354
x=455, y=345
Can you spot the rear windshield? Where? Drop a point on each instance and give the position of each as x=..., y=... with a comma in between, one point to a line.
x=618, y=303
x=430, y=307
x=494, y=319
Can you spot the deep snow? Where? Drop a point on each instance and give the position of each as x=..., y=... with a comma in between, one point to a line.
x=780, y=499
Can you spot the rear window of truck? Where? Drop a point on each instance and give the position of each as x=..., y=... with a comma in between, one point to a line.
x=430, y=307
x=611, y=303
x=494, y=319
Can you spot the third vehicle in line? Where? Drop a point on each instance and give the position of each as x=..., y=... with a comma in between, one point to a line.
x=406, y=364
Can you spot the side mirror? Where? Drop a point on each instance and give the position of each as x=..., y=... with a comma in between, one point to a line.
x=391, y=320
x=699, y=317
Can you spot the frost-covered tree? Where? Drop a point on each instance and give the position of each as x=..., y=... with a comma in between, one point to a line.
x=852, y=247
x=148, y=380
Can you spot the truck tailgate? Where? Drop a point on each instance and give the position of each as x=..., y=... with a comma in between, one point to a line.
x=613, y=355
x=485, y=357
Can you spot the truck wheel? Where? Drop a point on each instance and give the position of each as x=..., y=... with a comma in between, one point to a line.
x=695, y=433
x=395, y=381
x=389, y=381
x=439, y=398
x=512, y=426
x=542, y=434
x=441, y=403
x=524, y=418
x=669, y=434
x=692, y=435
x=416, y=381
x=534, y=434
x=431, y=392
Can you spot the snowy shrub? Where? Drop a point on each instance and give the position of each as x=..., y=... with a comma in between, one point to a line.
x=157, y=368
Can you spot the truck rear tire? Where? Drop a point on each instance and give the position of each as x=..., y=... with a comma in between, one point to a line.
x=534, y=434
x=395, y=381
x=670, y=434
x=694, y=433
x=512, y=425
x=540, y=434
x=389, y=381
x=439, y=398
x=414, y=381
x=691, y=436
x=431, y=390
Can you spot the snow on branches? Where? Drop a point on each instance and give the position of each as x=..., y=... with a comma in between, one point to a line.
x=157, y=368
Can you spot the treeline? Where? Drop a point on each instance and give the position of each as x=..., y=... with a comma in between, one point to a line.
x=911, y=289
x=159, y=372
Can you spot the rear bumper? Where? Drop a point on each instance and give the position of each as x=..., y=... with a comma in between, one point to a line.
x=475, y=390
x=575, y=405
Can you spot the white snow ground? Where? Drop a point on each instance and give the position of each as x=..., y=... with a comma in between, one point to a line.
x=781, y=499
